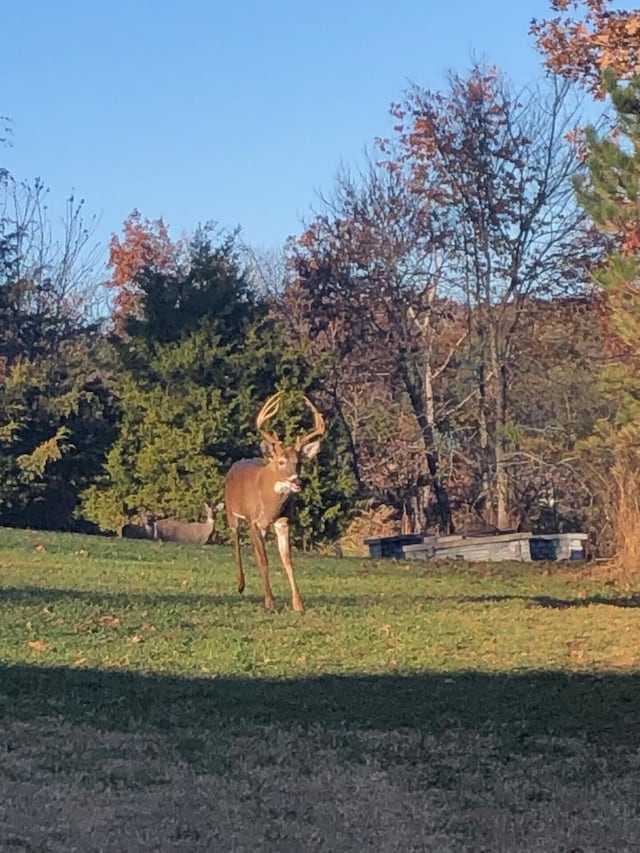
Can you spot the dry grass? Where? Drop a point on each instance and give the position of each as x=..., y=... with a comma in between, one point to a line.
x=626, y=520
x=369, y=523
x=65, y=788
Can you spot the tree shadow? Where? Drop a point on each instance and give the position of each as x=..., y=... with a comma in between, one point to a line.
x=37, y=596
x=558, y=603
x=601, y=708
x=610, y=601
x=545, y=601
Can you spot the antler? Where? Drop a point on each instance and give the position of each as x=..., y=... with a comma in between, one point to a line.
x=269, y=409
x=318, y=426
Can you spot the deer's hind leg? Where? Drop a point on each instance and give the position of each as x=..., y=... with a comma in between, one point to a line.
x=237, y=551
x=257, y=539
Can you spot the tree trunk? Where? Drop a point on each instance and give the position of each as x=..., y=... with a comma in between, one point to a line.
x=419, y=397
x=353, y=449
x=445, y=522
x=503, y=519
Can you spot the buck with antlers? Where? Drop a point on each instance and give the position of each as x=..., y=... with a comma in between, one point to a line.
x=258, y=490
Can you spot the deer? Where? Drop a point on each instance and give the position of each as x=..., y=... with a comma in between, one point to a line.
x=188, y=532
x=258, y=491
x=144, y=530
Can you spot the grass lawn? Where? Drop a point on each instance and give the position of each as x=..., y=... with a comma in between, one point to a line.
x=146, y=706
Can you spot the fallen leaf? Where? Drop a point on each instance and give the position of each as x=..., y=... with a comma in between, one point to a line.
x=38, y=646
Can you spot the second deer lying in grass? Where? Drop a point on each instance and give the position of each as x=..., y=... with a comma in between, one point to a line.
x=188, y=532
x=144, y=530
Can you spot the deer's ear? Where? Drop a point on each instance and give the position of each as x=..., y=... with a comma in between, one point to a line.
x=266, y=448
x=310, y=450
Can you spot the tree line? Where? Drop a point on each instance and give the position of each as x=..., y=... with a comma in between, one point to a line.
x=462, y=308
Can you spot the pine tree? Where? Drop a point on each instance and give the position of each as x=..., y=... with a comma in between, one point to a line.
x=611, y=195
x=56, y=413
x=197, y=360
x=57, y=419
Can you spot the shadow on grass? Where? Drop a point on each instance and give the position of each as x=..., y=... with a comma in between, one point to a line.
x=36, y=596
x=553, y=603
x=604, y=709
x=545, y=601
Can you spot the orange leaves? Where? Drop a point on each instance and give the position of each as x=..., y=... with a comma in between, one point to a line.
x=631, y=242
x=576, y=138
x=581, y=49
x=93, y=622
x=146, y=243
x=440, y=131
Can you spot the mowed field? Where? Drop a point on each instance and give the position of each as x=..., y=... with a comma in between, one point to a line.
x=146, y=706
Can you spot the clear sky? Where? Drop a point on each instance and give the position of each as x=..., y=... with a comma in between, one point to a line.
x=236, y=112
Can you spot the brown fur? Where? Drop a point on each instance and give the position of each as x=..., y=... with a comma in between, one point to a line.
x=188, y=532
x=257, y=491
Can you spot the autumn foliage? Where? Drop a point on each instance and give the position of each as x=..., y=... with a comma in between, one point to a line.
x=586, y=38
x=601, y=51
x=145, y=244
x=465, y=309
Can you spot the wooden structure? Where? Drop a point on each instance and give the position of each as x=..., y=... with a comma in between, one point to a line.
x=490, y=549
x=392, y=546
x=558, y=546
x=521, y=547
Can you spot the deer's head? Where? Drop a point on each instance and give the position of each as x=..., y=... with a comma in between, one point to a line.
x=285, y=462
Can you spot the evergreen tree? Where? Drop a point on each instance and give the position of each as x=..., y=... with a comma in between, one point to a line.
x=611, y=195
x=57, y=417
x=56, y=413
x=196, y=363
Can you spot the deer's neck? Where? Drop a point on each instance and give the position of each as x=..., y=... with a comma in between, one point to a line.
x=275, y=490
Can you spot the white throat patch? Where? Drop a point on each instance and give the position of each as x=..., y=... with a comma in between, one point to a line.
x=285, y=487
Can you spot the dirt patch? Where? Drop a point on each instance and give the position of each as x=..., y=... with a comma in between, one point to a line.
x=65, y=789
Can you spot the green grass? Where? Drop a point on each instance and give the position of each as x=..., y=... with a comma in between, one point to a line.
x=489, y=707
x=142, y=607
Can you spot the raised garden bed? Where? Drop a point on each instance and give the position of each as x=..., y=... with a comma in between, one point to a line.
x=558, y=546
x=392, y=546
x=485, y=548
x=494, y=548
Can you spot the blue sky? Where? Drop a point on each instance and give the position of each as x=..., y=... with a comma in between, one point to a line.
x=236, y=111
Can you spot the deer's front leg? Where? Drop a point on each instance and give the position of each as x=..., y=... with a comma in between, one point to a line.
x=281, y=526
x=263, y=564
